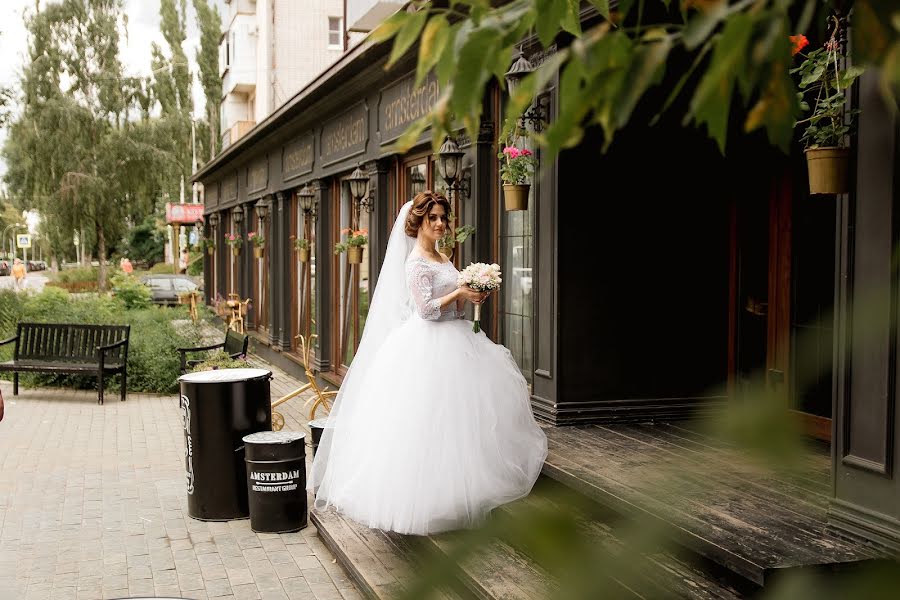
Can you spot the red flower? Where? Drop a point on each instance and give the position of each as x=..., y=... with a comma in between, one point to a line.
x=799, y=42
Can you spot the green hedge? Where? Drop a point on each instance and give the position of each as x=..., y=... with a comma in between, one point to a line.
x=153, y=364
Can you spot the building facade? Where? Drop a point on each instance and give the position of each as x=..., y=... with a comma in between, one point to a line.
x=268, y=52
x=625, y=298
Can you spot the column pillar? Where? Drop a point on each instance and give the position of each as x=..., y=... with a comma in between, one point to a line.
x=380, y=220
x=281, y=270
x=324, y=275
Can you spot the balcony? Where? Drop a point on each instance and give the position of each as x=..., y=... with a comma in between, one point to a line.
x=236, y=132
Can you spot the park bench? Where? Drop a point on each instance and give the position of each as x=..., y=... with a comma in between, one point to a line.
x=235, y=345
x=71, y=349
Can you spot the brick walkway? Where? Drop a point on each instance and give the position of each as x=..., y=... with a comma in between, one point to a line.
x=92, y=505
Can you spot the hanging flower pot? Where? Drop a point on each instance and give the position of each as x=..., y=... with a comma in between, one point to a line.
x=236, y=250
x=446, y=251
x=828, y=170
x=354, y=255
x=258, y=252
x=515, y=196
x=303, y=254
x=210, y=250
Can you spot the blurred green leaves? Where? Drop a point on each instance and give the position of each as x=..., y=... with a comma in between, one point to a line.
x=739, y=52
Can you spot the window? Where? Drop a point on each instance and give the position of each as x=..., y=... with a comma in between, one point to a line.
x=335, y=33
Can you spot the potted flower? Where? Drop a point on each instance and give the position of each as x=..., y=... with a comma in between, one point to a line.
x=825, y=76
x=259, y=243
x=353, y=245
x=235, y=242
x=447, y=243
x=516, y=165
x=209, y=244
x=302, y=246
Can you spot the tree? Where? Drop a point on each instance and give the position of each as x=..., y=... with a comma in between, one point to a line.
x=78, y=153
x=172, y=89
x=208, y=61
x=740, y=52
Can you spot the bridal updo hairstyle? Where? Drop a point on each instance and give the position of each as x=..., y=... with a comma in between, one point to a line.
x=421, y=206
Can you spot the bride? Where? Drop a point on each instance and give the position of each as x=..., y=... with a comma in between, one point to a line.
x=432, y=427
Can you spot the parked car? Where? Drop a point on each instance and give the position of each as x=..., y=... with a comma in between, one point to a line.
x=165, y=288
x=4, y=268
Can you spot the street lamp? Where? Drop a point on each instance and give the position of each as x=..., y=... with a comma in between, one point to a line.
x=359, y=183
x=12, y=240
x=237, y=213
x=416, y=182
x=449, y=163
x=307, y=198
x=520, y=69
x=262, y=209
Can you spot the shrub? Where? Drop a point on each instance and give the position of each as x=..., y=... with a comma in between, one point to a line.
x=78, y=275
x=220, y=360
x=195, y=264
x=162, y=268
x=131, y=292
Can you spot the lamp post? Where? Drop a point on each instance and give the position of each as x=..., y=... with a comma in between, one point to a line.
x=521, y=68
x=416, y=182
x=449, y=165
x=12, y=240
x=308, y=204
x=359, y=184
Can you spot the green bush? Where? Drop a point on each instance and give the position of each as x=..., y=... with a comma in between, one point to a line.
x=195, y=264
x=78, y=275
x=162, y=267
x=131, y=292
x=153, y=364
x=220, y=360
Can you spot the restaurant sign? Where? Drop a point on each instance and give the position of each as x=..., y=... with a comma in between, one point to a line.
x=346, y=135
x=298, y=157
x=403, y=103
x=183, y=213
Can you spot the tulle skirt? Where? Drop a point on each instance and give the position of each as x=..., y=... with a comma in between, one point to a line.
x=442, y=434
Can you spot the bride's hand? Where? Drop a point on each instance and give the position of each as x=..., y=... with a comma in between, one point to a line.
x=473, y=296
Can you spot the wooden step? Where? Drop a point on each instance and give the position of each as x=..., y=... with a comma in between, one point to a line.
x=653, y=573
x=705, y=496
x=378, y=568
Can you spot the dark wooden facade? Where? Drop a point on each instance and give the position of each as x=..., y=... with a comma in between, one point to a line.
x=627, y=298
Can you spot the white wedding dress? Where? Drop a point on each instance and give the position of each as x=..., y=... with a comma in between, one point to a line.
x=436, y=429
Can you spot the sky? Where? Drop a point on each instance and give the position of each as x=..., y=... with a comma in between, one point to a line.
x=143, y=30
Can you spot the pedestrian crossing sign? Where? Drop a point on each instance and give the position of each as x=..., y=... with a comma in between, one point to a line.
x=23, y=240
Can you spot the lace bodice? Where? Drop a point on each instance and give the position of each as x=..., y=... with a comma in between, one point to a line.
x=429, y=282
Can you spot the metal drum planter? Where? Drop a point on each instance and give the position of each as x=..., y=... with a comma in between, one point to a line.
x=276, y=481
x=316, y=428
x=218, y=409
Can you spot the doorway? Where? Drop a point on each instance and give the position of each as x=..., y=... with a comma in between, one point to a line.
x=783, y=261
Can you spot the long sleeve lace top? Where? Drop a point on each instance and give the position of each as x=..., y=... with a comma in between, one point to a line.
x=429, y=282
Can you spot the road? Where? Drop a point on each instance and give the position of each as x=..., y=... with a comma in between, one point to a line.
x=33, y=281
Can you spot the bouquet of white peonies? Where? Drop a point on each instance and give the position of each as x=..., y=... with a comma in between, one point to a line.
x=480, y=277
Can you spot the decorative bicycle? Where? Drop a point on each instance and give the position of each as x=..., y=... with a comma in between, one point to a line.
x=322, y=398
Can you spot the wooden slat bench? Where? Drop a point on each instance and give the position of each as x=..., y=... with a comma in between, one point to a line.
x=69, y=348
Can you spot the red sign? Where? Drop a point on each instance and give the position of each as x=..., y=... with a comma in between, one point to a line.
x=183, y=213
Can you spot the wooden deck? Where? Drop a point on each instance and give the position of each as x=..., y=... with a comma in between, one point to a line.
x=706, y=496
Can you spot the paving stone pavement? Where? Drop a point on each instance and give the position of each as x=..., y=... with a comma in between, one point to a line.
x=93, y=506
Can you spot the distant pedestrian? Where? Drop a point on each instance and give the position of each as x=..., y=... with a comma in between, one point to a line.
x=18, y=273
x=126, y=265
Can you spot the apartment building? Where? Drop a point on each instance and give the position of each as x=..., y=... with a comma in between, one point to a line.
x=269, y=50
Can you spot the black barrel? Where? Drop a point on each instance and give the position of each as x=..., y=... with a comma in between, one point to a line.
x=316, y=428
x=276, y=481
x=218, y=409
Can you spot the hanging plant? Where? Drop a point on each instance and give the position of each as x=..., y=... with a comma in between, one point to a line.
x=353, y=245
x=302, y=247
x=825, y=77
x=259, y=243
x=235, y=242
x=517, y=165
x=448, y=242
